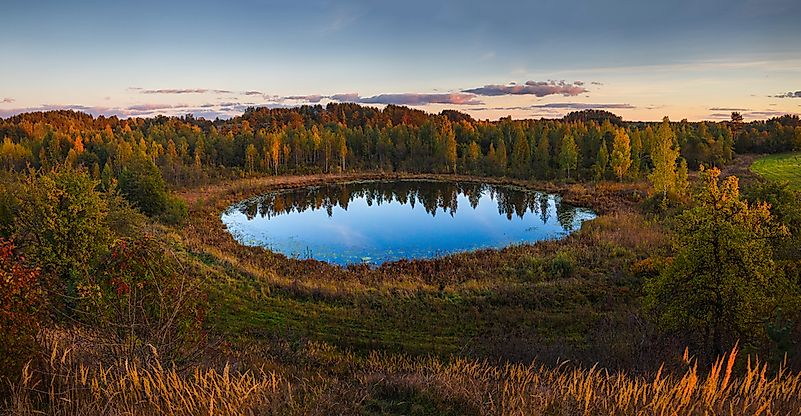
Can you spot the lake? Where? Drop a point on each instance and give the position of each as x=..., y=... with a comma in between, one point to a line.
x=380, y=221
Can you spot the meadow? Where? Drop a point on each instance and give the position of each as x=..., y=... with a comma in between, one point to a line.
x=785, y=167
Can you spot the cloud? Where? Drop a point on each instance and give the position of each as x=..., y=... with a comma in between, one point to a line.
x=411, y=99
x=182, y=91
x=585, y=106
x=790, y=94
x=421, y=99
x=253, y=93
x=152, y=107
x=536, y=88
x=728, y=109
x=315, y=98
x=7, y=101
x=350, y=97
x=751, y=115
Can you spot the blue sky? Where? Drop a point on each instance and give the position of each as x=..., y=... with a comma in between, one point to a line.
x=640, y=59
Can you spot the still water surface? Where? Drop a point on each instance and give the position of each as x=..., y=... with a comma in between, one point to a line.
x=382, y=221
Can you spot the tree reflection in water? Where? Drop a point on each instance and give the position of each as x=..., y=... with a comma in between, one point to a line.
x=346, y=222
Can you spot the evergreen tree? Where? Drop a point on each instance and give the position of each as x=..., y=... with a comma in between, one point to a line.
x=601, y=162
x=520, y=156
x=543, y=156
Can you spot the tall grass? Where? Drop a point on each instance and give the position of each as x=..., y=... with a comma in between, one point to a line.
x=460, y=386
x=515, y=389
x=63, y=386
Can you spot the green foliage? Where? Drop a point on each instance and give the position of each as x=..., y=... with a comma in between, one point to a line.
x=568, y=155
x=141, y=183
x=563, y=265
x=61, y=223
x=176, y=212
x=9, y=185
x=722, y=283
x=663, y=155
x=601, y=162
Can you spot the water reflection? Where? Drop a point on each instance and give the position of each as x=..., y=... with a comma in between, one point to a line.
x=384, y=221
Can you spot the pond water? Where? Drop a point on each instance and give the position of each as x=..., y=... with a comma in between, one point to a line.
x=379, y=221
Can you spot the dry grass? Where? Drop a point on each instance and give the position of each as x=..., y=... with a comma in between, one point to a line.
x=65, y=387
x=460, y=386
x=537, y=390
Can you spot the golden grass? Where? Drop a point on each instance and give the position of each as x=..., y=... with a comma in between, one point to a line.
x=476, y=387
x=516, y=389
x=65, y=387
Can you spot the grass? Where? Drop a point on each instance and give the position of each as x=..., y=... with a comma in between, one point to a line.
x=467, y=334
x=781, y=167
x=544, y=300
x=384, y=384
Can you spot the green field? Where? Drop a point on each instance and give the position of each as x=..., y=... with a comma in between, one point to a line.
x=783, y=167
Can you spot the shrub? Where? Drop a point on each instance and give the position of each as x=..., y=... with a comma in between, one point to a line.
x=21, y=298
x=61, y=223
x=563, y=265
x=176, y=212
x=141, y=183
x=142, y=299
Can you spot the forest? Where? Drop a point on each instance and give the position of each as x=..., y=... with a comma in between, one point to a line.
x=123, y=294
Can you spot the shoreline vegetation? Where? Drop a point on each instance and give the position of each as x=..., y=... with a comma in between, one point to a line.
x=131, y=297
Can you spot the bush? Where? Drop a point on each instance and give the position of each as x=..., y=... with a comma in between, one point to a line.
x=563, y=265
x=141, y=183
x=21, y=299
x=176, y=212
x=61, y=223
x=143, y=300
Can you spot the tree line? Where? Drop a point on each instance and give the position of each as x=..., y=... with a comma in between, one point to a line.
x=342, y=137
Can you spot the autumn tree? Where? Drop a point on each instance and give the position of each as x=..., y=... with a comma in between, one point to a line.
x=621, y=154
x=664, y=153
x=568, y=154
x=722, y=283
x=342, y=147
x=251, y=155
x=449, y=139
x=473, y=156
x=501, y=157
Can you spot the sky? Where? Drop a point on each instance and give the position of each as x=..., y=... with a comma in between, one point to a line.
x=641, y=59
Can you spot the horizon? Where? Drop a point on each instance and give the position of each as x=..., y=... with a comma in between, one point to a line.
x=687, y=60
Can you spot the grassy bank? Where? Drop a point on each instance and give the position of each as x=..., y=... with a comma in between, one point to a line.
x=548, y=300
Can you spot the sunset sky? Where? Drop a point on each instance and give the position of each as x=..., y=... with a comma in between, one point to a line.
x=697, y=59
